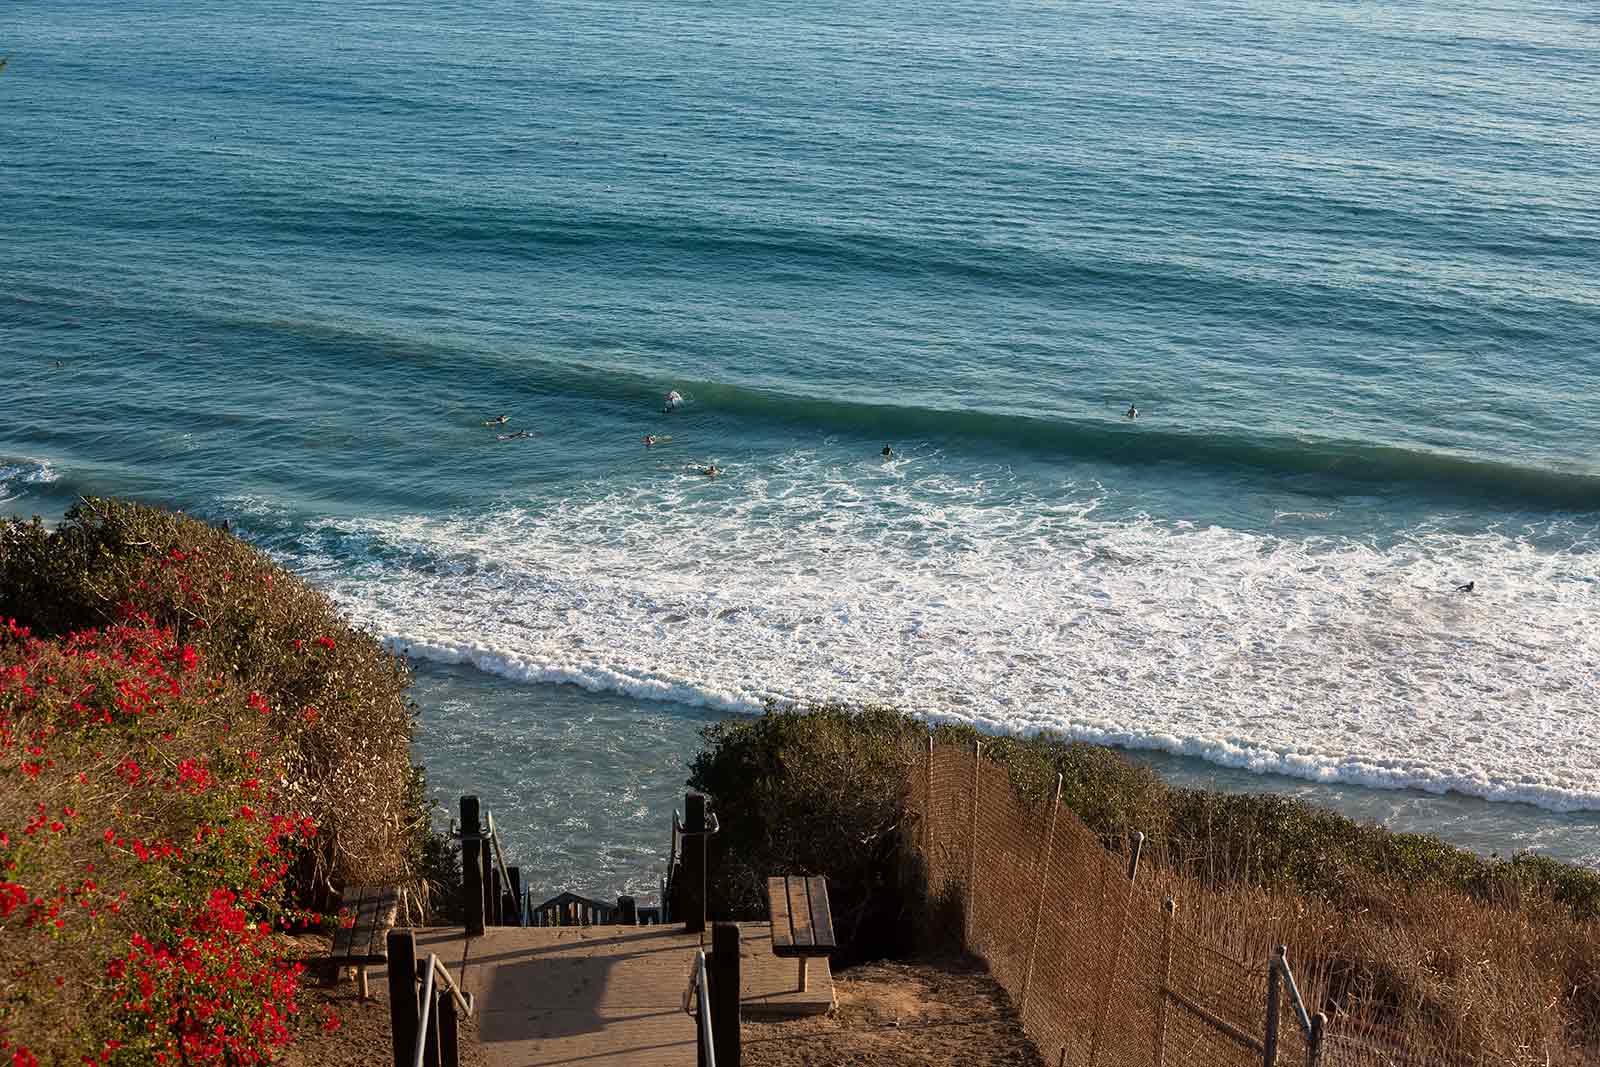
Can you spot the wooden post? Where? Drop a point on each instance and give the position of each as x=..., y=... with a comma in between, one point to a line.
x=486, y=859
x=1170, y=909
x=723, y=967
x=693, y=875
x=1319, y=1024
x=1269, y=1054
x=972, y=857
x=1038, y=911
x=471, y=868
x=403, y=994
x=430, y=1040
x=514, y=902
x=627, y=911
x=1133, y=858
x=497, y=896
x=449, y=1032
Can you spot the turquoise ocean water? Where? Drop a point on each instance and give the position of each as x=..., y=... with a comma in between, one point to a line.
x=1344, y=257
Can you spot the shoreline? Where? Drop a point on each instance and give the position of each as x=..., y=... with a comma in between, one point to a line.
x=614, y=757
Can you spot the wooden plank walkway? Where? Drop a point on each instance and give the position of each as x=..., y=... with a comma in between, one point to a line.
x=607, y=996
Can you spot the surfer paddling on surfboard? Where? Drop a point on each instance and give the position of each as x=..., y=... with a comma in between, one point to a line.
x=651, y=440
x=499, y=420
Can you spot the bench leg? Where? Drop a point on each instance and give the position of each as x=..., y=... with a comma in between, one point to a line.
x=802, y=974
x=361, y=981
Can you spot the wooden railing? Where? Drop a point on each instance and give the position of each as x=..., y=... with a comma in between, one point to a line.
x=714, y=988
x=492, y=891
x=426, y=1026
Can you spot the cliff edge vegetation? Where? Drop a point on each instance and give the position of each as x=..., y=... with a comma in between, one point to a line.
x=1463, y=955
x=196, y=753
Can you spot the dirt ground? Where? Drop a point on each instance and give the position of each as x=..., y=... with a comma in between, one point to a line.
x=362, y=1037
x=938, y=1013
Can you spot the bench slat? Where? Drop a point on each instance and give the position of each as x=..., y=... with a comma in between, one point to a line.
x=383, y=917
x=344, y=936
x=778, y=905
x=800, y=913
x=373, y=909
x=821, y=913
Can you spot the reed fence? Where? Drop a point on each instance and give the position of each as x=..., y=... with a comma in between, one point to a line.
x=1093, y=956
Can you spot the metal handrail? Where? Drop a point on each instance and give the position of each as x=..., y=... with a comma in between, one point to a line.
x=698, y=987
x=1281, y=962
x=500, y=862
x=678, y=831
x=465, y=1003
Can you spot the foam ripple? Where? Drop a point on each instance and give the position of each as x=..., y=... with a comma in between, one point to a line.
x=1321, y=657
x=17, y=474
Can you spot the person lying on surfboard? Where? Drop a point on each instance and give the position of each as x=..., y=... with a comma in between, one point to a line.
x=651, y=439
x=500, y=420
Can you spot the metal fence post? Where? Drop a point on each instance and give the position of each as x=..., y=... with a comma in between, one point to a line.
x=1170, y=909
x=1116, y=955
x=1038, y=911
x=1319, y=1024
x=972, y=855
x=927, y=809
x=1269, y=1054
x=402, y=946
x=471, y=868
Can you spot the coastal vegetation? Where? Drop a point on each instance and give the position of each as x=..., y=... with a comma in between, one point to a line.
x=1459, y=953
x=195, y=752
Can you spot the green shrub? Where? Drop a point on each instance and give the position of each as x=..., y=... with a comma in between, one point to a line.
x=820, y=789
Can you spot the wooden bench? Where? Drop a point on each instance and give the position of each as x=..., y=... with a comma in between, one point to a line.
x=802, y=921
x=364, y=941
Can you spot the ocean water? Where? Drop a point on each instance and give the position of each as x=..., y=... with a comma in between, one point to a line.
x=277, y=262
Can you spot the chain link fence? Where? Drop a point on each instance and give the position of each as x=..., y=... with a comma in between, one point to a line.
x=1092, y=956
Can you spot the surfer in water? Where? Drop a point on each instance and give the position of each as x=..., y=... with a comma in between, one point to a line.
x=710, y=470
x=1133, y=412
x=651, y=440
x=672, y=402
x=1467, y=587
x=887, y=453
x=515, y=435
x=500, y=420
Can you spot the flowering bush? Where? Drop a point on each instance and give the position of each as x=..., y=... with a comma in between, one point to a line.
x=142, y=855
x=194, y=749
x=331, y=694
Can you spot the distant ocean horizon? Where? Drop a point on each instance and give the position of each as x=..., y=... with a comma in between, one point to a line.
x=280, y=264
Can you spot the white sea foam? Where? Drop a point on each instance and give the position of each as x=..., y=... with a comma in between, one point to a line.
x=17, y=474
x=1318, y=657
